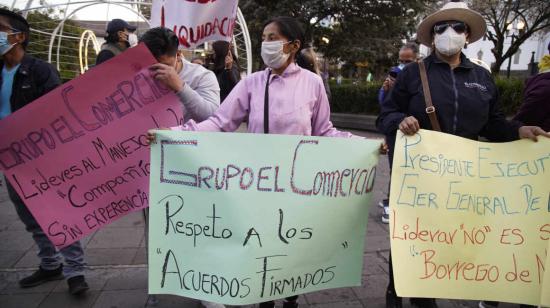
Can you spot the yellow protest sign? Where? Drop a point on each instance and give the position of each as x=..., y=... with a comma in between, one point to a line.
x=470, y=220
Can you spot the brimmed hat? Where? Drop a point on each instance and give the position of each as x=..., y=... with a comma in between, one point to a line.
x=458, y=11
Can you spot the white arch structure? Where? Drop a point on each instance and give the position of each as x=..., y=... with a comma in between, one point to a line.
x=241, y=36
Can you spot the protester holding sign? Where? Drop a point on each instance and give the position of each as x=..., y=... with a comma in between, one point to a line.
x=24, y=79
x=195, y=86
x=464, y=95
x=282, y=99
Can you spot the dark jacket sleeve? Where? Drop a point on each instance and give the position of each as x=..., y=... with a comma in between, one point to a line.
x=103, y=56
x=498, y=129
x=395, y=105
x=231, y=77
x=47, y=78
x=535, y=109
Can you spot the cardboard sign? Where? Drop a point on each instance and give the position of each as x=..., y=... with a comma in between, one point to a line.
x=245, y=218
x=470, y=220
x=77, y=156
x=196, y=21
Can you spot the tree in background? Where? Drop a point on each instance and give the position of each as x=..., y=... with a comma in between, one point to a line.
x=503, y=16
x=353, y=31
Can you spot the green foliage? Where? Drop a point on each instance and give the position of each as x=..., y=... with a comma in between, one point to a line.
x=359, y=98
x=357, y=30
x=43, y=23
x=511, y=94
x=362, y=98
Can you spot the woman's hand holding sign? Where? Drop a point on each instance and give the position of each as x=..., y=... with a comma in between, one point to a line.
x=531, y=132
x=152, y=136
x=409, y=126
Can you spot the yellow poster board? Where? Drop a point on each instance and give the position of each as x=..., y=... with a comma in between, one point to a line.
x=471, y=220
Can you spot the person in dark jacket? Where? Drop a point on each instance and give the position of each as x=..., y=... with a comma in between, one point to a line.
x=24, y=79
x=120, y=36
x=464, y=95
x=535, y=109
x=226, y=68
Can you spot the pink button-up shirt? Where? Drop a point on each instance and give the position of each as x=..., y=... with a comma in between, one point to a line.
x=298, y=105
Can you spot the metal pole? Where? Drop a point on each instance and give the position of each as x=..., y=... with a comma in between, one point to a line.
x=510, y=58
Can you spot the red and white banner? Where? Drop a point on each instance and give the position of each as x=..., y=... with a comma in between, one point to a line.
x=196, y=21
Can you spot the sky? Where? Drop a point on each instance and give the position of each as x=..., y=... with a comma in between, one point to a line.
x=99, y=11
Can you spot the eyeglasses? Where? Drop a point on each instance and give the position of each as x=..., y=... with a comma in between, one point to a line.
x=458, y=26
x=405, y=61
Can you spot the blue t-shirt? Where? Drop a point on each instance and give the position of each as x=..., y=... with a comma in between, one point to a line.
x=5, y=91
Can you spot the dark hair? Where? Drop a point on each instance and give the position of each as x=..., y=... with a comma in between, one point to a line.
x=221, y=49
x=308, y=60
x=291, y=29
x=161, y=41
x=112, y=37
x=412, y=46
x=21, y=27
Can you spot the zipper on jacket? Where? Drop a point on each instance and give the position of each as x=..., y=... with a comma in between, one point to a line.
x=455, y=119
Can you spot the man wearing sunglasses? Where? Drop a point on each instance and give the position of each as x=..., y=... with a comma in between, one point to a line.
x=464, y=96
x=24, y=79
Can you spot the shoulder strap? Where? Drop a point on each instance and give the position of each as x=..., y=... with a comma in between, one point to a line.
x=266, y=104
x=430, y=109
x=112, y=48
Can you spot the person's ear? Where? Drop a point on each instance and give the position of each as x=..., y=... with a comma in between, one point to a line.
x=294, y=46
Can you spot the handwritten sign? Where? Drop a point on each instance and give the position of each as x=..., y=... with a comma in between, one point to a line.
x=196, y=22
x=470, y=220
x=545, y=295
x=77, y=156
x=244, y=218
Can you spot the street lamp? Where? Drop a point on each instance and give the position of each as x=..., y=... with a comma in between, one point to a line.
x=519, y=25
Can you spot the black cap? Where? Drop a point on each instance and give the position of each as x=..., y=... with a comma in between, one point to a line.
x=119, y=25
x=11, y=14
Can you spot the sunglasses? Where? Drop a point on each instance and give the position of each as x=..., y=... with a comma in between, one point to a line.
x=458, y=26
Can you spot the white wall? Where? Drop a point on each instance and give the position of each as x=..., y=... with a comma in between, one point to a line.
x=520, y=60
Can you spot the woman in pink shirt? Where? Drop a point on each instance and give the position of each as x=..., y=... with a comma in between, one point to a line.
x=282, y=99
x=293, y=102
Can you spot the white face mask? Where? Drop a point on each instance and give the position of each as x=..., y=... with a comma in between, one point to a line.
x=132, y=39
x=273, y=54
x=449, y=42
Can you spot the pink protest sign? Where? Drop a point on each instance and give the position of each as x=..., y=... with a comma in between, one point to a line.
x=77, y=156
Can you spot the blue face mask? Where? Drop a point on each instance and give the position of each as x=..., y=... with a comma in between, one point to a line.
x=5, y=45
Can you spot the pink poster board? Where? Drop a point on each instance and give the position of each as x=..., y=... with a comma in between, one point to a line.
x=77, y=156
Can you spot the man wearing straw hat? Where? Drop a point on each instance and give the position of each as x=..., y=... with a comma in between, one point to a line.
x=463, y=100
